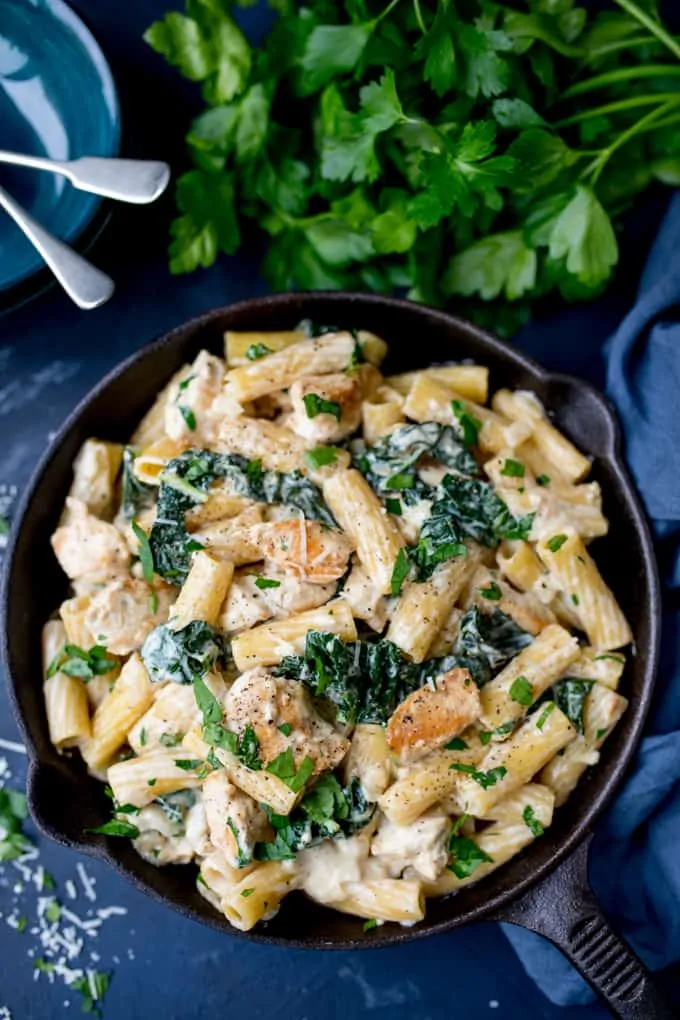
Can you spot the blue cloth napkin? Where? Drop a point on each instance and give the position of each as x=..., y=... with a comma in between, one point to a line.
x=635, y=857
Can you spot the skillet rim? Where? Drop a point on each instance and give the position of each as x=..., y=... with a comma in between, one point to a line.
x=97, y=847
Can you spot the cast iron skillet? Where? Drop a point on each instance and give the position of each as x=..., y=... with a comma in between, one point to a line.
x=545, y=888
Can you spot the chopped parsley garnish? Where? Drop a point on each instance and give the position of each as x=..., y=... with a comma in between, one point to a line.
x=146, y=560
x=142, y=737
x=22, y=923
x=370, y=924
x=266, y=582
x=206, y=702
x=521, y=691
x=505, y=728
x=170, y=739
x=117, y=827
x=53, y=912
x=532, y=821
x=513, y=468
x=466, y=856
x=321, y=455
x=393, y=507
x=13, y=812
x=285, y=728
x=247, y=892
x=400, y=571
x=485, y=736
x=151, y=782
x=188, y=415
x=400, y=481
x=556, y=542
x=457, y=744
x=601, y=733
x=185, y=383
x=93, y=987
x=187, y=764
x=4, y=526
x=283, y=766
x=469, y=425
x=484, y=779
x=493, y=592
x=543, y=480
x=545, y=715
x=84, y=665
x=314, y=404
x=575, y=599
x=615, y=658
x=257, y=351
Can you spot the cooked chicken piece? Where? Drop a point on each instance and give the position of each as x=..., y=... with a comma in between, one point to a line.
x=304, y=548
x=344, y=394
x=189, y=400
x=120, y=614
x=524, y=607
x=233, y=538
x=422, y=845
x=266, y=702
x=88, y=547
x=235, y=822
x=94, y=476
x=258, y=439
x=247, y=605
x=431, y=716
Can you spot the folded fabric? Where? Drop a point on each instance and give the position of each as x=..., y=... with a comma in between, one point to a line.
x=634, y=860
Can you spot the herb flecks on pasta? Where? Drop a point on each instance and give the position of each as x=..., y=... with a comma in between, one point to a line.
x=331, y=630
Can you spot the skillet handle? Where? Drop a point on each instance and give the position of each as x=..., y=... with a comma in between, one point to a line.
x=563, y=909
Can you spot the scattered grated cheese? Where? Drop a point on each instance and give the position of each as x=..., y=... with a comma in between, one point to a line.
x=12, y=745
x=87, y=882
x=71, y=890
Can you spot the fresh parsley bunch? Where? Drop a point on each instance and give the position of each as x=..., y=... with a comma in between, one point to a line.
x=462, y=151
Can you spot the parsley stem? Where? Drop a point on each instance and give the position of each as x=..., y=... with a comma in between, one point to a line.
x=597, y=166
x=619, y=105
x=419, y=16
x=376, y=21
x=621, y=74
x=630, y=43
x=630, y=7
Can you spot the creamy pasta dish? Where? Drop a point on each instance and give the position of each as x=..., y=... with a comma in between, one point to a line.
x=330, y=630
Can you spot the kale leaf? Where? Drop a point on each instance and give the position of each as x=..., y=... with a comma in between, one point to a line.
x=391, y=464
x=486, y=641
x=328, y=811
x=570, y=695
x=479, y=512
x=181, y=655
x=185, y=482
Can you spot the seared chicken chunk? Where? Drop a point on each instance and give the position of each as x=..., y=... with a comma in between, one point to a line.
x=266, y=703
x=120, y=614
x=422, y=845
x=431, y=716
x=235, y=822
x=304, y=548
x=88, y=547
x=344, y=395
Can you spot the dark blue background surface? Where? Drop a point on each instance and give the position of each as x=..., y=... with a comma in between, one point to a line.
x=50, y=355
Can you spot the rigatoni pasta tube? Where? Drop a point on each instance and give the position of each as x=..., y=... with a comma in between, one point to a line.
x=602, y=710
x=117, y=714
x=517, y=759
x=362, y=516
x=555, y=447
x=380, y=419
x=369, y=759
x=331, y=353
x=424, y=606
x=140, y=780
x=604, y=667
x=385, y=899
x=173, y=712
x=203, y=592
x=576, y=574
x=427, y=782
x=237, y=344
x=431, y=400
x=276, y=447
x=267, y=644
x=471, y=381
x=66, y=704
x=524, y=679
x=258, y=894
x=520, y=564
x=501, y=840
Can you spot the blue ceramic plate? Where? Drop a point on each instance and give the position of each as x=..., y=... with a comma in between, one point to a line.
x=57, y=99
